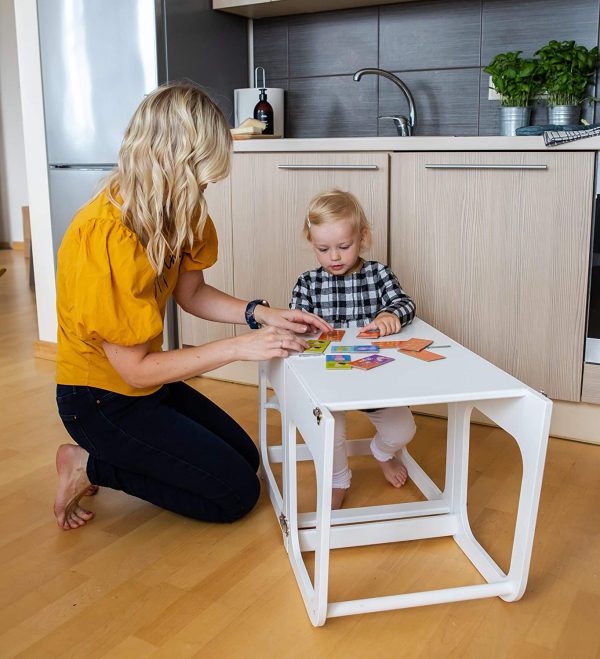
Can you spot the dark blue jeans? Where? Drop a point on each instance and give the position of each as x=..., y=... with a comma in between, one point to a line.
x=173, y=448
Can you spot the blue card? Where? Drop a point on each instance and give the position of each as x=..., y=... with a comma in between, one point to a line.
x=357, y=348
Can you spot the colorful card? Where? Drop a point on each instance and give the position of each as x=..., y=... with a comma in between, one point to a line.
x=416, y=345
x=411, y=344
x=315, y=347
x=424, y=355
x=338, y=362
x=382, y=345
x=354, y=349
x=372, y=361
x=334, y=335
x=368, y=334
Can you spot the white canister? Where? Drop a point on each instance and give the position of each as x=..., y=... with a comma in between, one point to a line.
x=246, y=99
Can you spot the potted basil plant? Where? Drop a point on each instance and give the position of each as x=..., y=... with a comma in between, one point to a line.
x=568, y=69
x=517, y=80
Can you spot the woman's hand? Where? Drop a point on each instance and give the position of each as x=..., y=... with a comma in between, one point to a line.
x=295, y=320
x=141, y=368
x=386, y=323
x=267, y=343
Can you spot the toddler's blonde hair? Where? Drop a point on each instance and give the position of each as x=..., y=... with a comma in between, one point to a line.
x=176, y=142
x=333, y=206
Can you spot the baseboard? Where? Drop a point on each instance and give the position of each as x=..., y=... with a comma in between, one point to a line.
x=18, y=245
x=236, y=372
x=4, y=244
x=45, y=350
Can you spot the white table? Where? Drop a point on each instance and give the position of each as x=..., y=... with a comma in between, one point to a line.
x=306, y=394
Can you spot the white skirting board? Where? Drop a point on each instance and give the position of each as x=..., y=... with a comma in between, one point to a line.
x=237, y=372
x=575, y=421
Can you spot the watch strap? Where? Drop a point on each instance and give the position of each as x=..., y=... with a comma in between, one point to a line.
x=249, y=313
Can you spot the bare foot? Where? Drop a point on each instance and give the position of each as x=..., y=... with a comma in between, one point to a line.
x=338, y=494
x=73, y=484
x=394, y=471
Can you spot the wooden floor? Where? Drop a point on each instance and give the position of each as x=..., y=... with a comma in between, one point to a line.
x=140, y=582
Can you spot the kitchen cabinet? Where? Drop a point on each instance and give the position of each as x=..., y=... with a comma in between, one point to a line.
x=192, y=330
x=270, y=194
x=494, y=247
x=264, y=8
x=259, y=212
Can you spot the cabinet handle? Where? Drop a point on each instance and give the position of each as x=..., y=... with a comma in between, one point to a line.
x=467, y=166
x=357, y=167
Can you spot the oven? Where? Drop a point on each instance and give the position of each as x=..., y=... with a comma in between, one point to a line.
x=592, y=345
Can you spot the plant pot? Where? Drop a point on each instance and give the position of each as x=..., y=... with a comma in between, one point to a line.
x=564, y=115
x=512, y=118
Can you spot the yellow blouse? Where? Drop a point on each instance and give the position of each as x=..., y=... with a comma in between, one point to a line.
x=106, y=290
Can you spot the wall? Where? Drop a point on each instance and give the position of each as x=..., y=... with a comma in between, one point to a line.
x=13, y=185
x=36, y=166
x=438, y=47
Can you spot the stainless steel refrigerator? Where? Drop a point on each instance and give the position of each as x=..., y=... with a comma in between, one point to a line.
x=100, y=57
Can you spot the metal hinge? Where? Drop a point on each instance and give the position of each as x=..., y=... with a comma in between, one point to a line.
x=284, y=525
x=318, y=414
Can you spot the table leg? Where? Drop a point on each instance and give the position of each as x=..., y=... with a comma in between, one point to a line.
x=455, y=490
x=527, y=419
x=324, y=473
x=262, y=417
x=265, y=463
x=316, y=426
x=457, y=457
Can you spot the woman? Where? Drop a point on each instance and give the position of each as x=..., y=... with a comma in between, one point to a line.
x=146, y=236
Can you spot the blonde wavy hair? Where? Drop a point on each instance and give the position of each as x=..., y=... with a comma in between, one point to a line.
x=176, y=143
x=333, y=206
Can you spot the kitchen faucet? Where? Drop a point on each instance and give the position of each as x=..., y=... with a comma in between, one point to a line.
x=404, y=126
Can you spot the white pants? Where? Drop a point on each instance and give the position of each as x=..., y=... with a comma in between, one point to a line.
x=395, y=428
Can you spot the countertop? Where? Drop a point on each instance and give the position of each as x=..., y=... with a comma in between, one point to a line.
x=494, y=143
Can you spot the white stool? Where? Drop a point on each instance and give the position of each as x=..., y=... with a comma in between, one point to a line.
x=305, y=395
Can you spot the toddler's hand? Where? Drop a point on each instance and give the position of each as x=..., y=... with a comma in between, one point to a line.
x=386, y=323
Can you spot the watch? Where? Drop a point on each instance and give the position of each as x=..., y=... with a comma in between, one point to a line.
x=249, y=314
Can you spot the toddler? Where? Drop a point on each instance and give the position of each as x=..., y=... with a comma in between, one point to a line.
x=347, y=291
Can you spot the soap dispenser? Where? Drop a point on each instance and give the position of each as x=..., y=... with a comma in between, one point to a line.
x=263, y=111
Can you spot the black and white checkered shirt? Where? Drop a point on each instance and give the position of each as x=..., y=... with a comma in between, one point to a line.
x=357, y=298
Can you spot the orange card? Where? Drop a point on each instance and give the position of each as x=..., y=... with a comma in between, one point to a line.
x=368, y=334
x=416, y=344
x=411, y=344
x=334, y=335
x=424, y=355
x=372, y=361
x=388, y=344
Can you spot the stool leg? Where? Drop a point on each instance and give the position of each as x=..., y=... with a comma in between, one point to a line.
x=290, y=491
x=324, y=472
x=262, y=416
x=527, y=419
x=455, y=490
x=457, y=459
x=266, y=471
x=316, y=424
x=315, y=597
